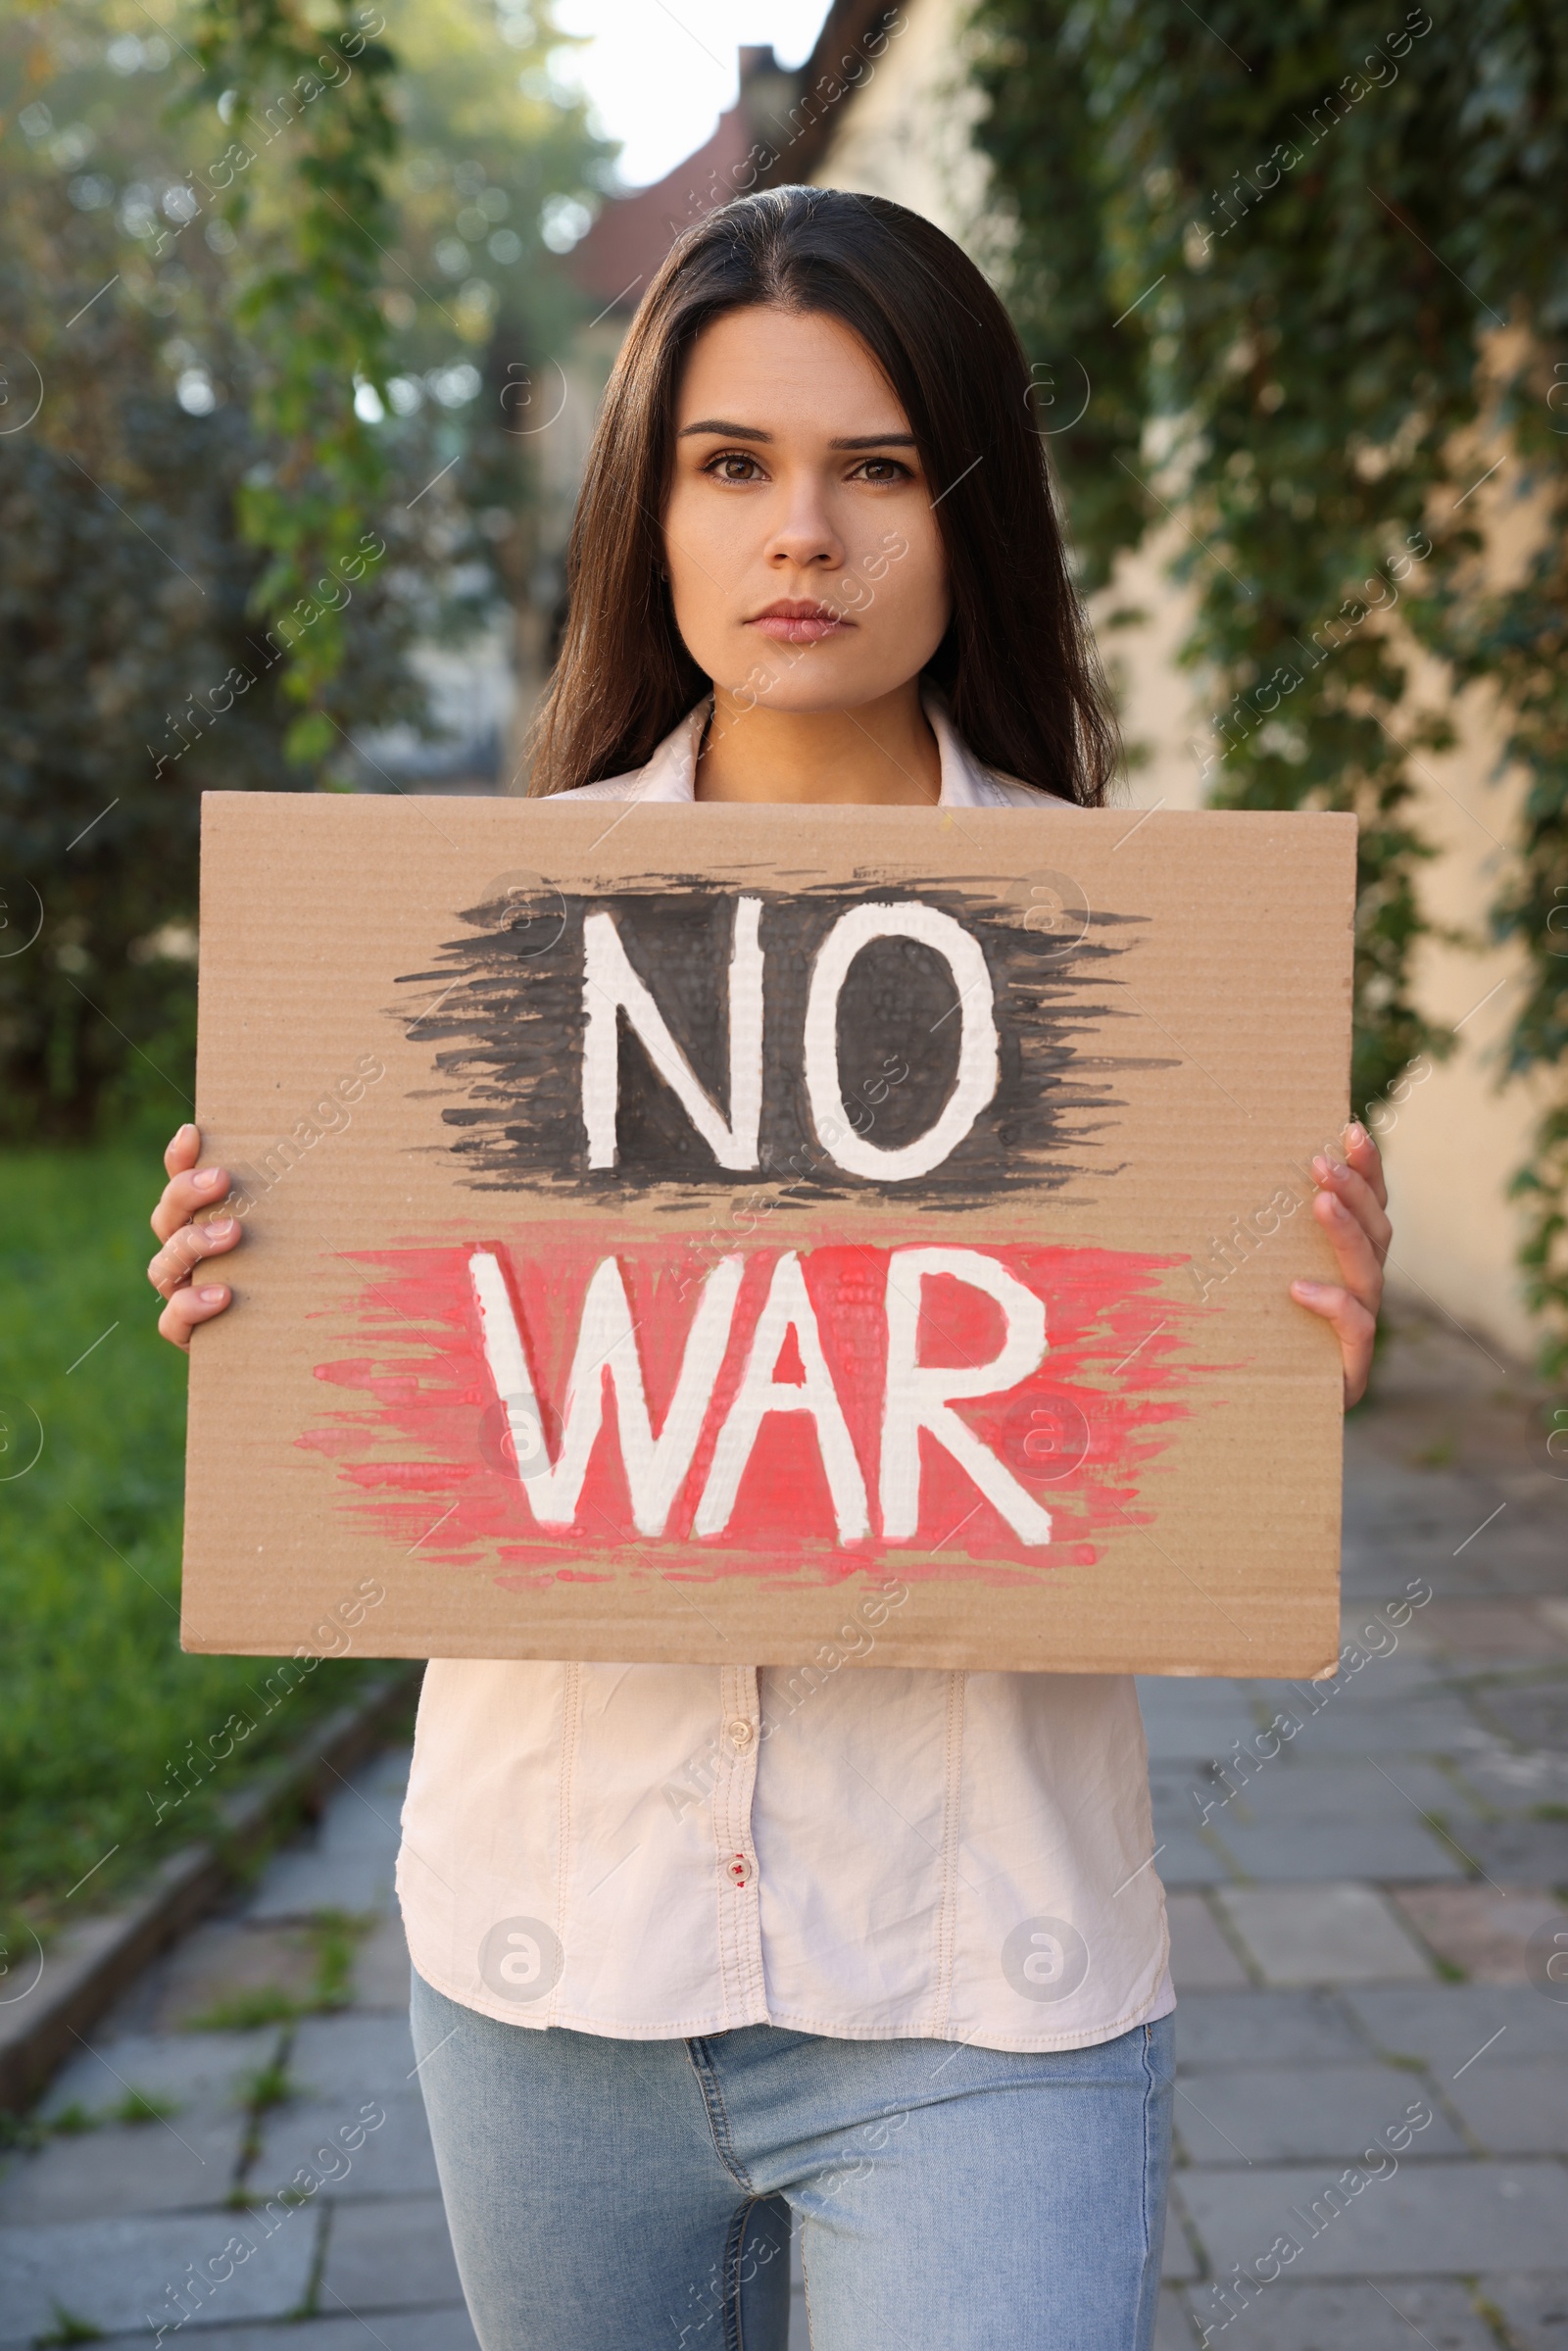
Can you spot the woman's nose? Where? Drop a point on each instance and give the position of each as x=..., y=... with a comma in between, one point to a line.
x=804, y=535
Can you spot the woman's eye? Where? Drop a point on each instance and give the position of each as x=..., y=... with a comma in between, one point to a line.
x=733, y=464
x=883, y=469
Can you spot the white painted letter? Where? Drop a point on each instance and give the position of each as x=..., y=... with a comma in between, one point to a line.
x=787, y=1308
x=610, y=986
x=979, y=1070
x=606, y=1349
x=918, y=1396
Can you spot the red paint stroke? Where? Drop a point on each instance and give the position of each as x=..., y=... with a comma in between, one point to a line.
x=1081, y=1434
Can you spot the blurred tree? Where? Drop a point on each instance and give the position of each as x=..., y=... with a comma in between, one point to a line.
x=300, y=187
x=1319, y=252
x=147, y=392
x=496, y=177
x=394, y=198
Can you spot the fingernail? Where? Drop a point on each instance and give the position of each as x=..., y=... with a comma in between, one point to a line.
x=1355, y=1134
x=206, y=1179
x=220, y=1230
x=214, y=1296
x=1322, y=1168
x=1306, y=1288
x=184, y=1132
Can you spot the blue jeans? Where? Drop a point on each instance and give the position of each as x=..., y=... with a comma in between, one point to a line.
x=621, y=2195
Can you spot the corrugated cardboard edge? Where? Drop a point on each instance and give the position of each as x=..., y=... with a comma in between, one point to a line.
x=88, y=1967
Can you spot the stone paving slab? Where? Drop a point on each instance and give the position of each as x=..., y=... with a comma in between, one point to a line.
x=1483, y=1930
x=1295, y=1788
x=1357, y=1846
x=1479, y=1618
x=1172, y=1779
x=1446, y=2025
x=1414, y=1529
x=1373, y=1716
x=1283, y=2114
x=1429, y=1548
x=1528, y=1850
x=1534, y=2308
x=1399, y=1673
x=1515, y=2109
x=381, y=2255
x=1172, y=2328
x=301, y=1884
x=204, y=2074
x=1527, y=1562
x=1286, y=1817
x=1178, y=2259
x=100, y=2175
x=221, y=1960
x=1492, y=1632
x=1265, y=2028
x=1201, y=1957
x=1186, y=1859
x=364, y=1816
x=446, y=2329
x=396, y=2158
x=1512, y=1778
x=1332, y=1933
x=1191, y=1719
x=381, y=1967
x=340, y=2060
x=112, y=2274
x=1287, y=1794
x=1458, y=2217
x=1395, y=2316
x=1178, y=2255
x=1533, y=1713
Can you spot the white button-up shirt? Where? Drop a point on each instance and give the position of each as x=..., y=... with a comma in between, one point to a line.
x=650, y=1851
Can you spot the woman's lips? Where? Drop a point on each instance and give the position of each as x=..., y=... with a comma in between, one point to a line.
x=799, y=623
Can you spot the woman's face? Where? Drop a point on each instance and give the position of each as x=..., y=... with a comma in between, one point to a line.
x=805, y=559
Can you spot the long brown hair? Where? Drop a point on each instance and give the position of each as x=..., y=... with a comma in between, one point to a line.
x=1017, y=664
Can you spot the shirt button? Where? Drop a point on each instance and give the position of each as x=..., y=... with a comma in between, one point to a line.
x=740, y=1870
x=741, y=1734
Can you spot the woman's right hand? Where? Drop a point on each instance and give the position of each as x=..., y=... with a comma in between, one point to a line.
x=187, y=1195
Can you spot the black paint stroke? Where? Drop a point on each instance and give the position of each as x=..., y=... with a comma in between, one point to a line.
x=507, y=1026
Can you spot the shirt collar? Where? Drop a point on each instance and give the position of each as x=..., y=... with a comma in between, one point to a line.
x=671, y=773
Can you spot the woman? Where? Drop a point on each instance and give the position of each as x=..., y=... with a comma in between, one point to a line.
x=693, y=1956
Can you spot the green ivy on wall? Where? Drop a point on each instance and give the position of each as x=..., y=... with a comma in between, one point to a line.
x=1295, y=256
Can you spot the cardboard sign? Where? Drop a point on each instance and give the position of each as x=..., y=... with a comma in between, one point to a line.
x=670, y=1227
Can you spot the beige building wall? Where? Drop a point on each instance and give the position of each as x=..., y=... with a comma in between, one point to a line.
x=1461, y=1133
x=904, y=133
x=1455, y=1140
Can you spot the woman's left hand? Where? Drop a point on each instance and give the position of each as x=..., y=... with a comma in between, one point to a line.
x=1351, y=1204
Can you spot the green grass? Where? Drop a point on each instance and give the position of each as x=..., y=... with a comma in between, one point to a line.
x=98, y=1705
x=70, y=2121
x=138, y=2106
x=134, y=2107
x=266, y=2087
x=69, y=2328
x=247, y=2011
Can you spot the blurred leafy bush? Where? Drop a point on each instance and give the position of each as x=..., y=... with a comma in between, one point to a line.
x=220, y=542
